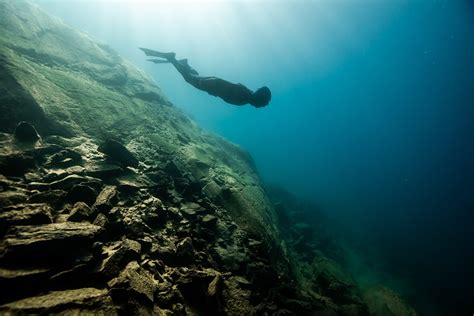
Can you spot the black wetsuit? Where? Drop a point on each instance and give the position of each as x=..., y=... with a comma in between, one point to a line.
x=233, y=93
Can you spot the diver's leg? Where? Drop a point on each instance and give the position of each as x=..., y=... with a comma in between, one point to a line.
x=150, y=52
x=159, y=61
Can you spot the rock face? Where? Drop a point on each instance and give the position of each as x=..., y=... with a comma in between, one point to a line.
x=165, y=219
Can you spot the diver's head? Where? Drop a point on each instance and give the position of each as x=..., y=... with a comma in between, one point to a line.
x=261, y=97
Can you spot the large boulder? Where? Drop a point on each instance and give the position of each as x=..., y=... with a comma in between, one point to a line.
x=48, y=242
x=25, y=132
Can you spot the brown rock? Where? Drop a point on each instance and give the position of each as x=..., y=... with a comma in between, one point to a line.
x=67, y=302
x=107, y=197
x=80, y=212
x=24, y=214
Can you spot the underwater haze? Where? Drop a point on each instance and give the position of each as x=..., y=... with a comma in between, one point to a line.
x=371, y=115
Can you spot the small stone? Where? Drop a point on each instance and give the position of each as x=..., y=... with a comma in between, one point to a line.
x=25, y=132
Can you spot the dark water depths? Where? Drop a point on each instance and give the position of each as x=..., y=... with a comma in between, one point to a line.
x=372, y=113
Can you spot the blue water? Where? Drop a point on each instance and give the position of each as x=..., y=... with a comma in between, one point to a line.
x=372, y=112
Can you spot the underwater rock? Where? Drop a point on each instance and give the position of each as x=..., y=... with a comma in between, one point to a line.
x=70, y=181
x=189, y=230
x=81, y=193
x=209, y=221
x=383, y=301
x=12, y=197
x=52, y=197
x=25, y=132
x=103, y=170
x=80, y=212
x=134, y=281
x=66, y=302
x=24, y=214
x=185, y=250
x=106, y=198
x=120, y=255
x=18, y=281
x=47, y=243
x=64, y=158
x=118, y=152
x=16, y=164
x=38, y=186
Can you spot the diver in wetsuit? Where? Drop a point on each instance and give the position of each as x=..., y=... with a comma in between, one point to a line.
x=233, y=93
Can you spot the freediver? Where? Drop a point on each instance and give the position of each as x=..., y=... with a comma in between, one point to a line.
x=233, y=93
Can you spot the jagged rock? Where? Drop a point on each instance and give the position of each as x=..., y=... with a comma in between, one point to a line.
x=191, y=209
x=80, y=212
x=214, y=293
x=166, y=253
x=209, y=221
x=118, y=152
x=194, y=287
x=64, y=158
x=101, y=95
x=231, y=256
x=24, y=214
x=185, y=250
x=12, y=197
x=107, y=197
x=103, y=170
x=25, y=132
x=236, y=298
x=101, y=220
x=38, y=186
x=47, y=243
x=71, y=181
x=119, y=255
x=52, y=197
x=134, y=282
x=16, y=164
x=304, y=229
x=383, y=301
x=18, y=281
x=82, y=193
x=54, y=175
x=67, y=302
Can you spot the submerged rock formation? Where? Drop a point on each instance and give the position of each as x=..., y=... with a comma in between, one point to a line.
x=124, y=205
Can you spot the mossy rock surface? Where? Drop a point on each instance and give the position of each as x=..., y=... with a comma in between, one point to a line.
x=65, y=83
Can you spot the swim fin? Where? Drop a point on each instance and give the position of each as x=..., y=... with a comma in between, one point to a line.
x=150, y=52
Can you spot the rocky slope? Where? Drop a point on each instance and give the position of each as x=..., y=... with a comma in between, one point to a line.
x=123, y=205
